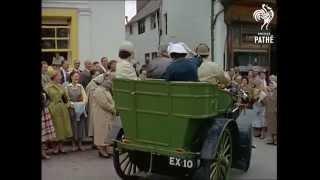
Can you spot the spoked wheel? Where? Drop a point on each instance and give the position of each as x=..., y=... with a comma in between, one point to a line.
x=220, y=166
x=122, y=162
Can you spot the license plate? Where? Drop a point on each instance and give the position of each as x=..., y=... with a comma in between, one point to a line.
x=178, y=162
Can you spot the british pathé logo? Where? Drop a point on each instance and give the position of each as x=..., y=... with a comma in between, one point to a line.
x=265, y=15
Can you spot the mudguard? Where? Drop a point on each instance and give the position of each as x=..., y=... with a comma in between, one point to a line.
x=245, y=141
x=209, y=146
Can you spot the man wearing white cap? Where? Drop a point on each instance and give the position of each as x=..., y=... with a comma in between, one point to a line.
x=124, y=66
x=181, y=69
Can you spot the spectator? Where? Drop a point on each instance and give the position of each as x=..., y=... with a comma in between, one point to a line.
x=57, y=63
x=259, y=123
x=65, y=73
x=94, y=83
x=47, y=131
x=232, y=74
x=45, y=79
x=245, y=84
x=58, y=108
x=143, y=72
x=103, y=115
x=271, y=111
x=85, y=75
x=95, y=71
x=112, y=65
x=209, y=71
x=77, y=66
x=103, y=66
x=78, y=99
x=157, y=67
x=181, y=69
x=263, y=77
x=250, y=77
x=124, y=67
x=112, y=69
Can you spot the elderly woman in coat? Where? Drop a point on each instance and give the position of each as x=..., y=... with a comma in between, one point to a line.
x=271, y=112
x=93, y=84
x=103, y=109
x=58, y=108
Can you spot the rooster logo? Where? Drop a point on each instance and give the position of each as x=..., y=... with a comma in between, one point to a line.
x=266, y=14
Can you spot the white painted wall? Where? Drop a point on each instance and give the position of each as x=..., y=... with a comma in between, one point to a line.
x=220, y=34
x=189, y=21
x=144, y=43
x=101, y=26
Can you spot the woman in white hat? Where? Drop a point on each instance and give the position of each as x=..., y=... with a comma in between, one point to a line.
x=124, y=67
x=181, y=68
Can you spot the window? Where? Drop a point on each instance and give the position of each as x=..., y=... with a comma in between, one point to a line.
x=154, y=55
x=166, y=22
x=130, y=29
x=153, y=21
x=147, y=57
x=141, y=26
x=55, y=37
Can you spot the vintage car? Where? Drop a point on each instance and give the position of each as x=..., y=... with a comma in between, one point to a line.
x=182, y=129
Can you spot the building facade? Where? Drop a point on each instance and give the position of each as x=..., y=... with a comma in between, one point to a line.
x=226, y=26
x=82, y=30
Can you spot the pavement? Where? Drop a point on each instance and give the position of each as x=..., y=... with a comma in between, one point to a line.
x=88, y=165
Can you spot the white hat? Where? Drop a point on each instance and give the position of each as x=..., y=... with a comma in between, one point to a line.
x=176, y=48
x=127, y=46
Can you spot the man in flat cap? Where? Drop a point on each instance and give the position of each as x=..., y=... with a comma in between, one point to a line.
x=210, y=71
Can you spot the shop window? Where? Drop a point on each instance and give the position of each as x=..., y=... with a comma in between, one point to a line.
x=55, y=39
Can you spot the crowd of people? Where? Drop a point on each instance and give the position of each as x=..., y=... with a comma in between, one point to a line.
x=78, y=103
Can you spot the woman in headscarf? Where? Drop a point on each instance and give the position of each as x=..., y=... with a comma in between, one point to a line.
x=93, y=84
x=47, y=132
x=78, y=99
x=271, y=111
x=58, y=108
x=103, y=108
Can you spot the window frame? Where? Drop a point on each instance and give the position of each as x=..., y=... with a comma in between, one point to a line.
x=153, y=23
x=141, y=26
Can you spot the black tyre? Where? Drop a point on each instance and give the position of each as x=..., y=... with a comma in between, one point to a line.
x=219, y=167
x=123, y=164
x=249, y=150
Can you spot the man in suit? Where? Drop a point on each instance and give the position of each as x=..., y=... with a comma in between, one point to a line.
x=157, y=67
x=65, y=73
x=85, y=75
x=77, y=66
x=103, y=66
